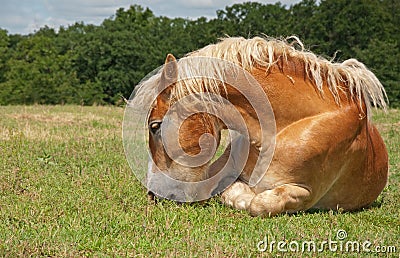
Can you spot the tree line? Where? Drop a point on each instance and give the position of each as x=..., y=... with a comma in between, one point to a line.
x=88, y=64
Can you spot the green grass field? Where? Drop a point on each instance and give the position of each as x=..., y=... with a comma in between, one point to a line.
x=67, y=191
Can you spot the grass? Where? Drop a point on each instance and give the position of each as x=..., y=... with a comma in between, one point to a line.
x=67, y=190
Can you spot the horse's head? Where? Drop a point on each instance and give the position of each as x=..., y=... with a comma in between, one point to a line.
x=184, y=130
x=182, y=141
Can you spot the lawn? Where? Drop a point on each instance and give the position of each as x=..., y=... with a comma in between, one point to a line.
x=67, y=190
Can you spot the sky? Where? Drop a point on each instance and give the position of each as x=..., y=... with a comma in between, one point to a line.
x=28, y=16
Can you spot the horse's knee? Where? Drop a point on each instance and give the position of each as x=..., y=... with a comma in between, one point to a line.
x=267, y=204
x=238, y=195
x=286, y=198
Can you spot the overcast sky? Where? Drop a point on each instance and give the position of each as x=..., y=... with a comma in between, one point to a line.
x=26, y=16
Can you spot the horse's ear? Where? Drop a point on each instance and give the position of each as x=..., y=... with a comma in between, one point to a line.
x=170, y=58
x=170, y=70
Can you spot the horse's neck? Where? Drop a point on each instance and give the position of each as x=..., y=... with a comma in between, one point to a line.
x=293, y=96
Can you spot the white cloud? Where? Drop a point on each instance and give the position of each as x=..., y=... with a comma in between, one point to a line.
x=84, y=8
x=26, y=16
x=199, y=4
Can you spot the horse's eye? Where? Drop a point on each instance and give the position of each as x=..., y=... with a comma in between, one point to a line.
x=154, y=126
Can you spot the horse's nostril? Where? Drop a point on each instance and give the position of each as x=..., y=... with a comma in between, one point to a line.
x=151, y=196
x=155, y=198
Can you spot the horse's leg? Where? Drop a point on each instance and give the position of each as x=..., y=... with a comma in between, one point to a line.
x=284, y=198
x=370, y=176
x=238, y=195
x=308, y=159
x=310, y=155
x=280, y=199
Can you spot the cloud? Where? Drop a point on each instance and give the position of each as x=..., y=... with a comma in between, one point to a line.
x=27, y=16
x=88, y=11
x=200, y=4
x=14, y=14
x=197, y=8
x=85, y=8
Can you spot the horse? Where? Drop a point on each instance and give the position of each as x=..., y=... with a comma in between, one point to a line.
x=323, y=153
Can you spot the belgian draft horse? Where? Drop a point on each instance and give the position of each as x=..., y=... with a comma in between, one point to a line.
x=327, y=154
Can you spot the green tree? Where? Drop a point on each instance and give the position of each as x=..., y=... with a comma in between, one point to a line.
x=252, y=18
x=115, y=56
x=89, y=64
x=383, y=58
x=349, y=24
x=304, y=23
x=38, y=74
x=4, y=53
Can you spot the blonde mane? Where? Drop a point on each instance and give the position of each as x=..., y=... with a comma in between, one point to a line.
x=266, y=52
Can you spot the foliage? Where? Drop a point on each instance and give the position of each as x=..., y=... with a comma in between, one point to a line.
x=88, y=64
x=4, y=42
x=38, y=74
